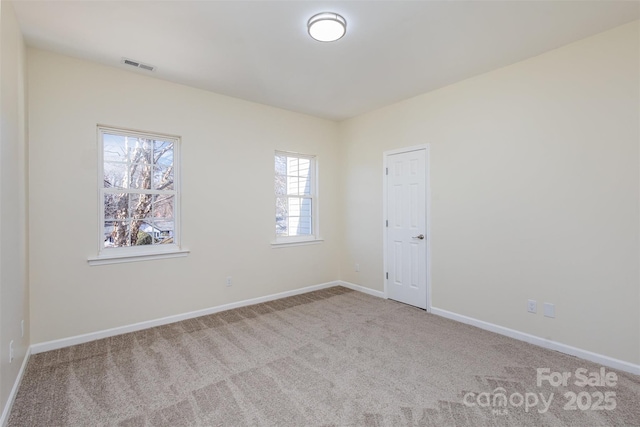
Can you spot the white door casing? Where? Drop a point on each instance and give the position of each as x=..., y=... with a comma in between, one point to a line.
x=407, y=239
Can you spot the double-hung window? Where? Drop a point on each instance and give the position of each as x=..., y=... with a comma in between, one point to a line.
x=296, y=198
x=138, y=192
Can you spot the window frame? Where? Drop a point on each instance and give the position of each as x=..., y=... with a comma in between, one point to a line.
x=142, y=252
x=314, y=237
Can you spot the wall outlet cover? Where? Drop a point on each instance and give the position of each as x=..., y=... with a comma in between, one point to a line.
x=549, y=310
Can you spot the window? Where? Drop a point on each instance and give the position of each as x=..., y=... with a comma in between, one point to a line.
x=296, y=200
x=139, y=197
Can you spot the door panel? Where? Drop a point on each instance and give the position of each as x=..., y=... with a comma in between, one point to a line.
x=406, y=208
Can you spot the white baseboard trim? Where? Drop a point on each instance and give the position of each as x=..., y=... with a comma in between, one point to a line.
x=362, y=289
x=14, y=390
x=512, y=333
x=80, y=339
x=541, y=342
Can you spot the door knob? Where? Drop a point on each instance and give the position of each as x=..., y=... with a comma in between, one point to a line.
x=419, y=236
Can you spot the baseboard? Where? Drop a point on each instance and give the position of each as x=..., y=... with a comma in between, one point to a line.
x=541, y=342
x=362, y=289
x=521, y=336
x=14, y=390
x=512, y=333
x=80, y=339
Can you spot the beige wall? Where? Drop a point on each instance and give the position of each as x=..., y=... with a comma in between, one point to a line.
x=535, y=193
x=14, y=299
x=227, y=200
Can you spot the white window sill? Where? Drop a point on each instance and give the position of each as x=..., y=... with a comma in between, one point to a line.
x=285, y=244
x=135, y=257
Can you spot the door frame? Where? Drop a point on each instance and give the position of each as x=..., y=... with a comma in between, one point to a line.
x=427, y=225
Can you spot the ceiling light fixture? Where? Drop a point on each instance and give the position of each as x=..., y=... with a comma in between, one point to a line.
x=327, y=27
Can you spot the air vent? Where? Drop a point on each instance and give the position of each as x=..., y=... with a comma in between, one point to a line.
x=138, y=64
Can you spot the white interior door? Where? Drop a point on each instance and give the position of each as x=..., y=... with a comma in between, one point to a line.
x=406, y=230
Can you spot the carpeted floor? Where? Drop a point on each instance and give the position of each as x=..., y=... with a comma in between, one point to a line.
x=331, y=357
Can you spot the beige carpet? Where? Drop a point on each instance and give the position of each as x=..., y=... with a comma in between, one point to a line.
x=331, y=357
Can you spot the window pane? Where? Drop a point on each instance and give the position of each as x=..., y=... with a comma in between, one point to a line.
x=292, y=226
x=294, y=206
x=304, y=167
x=140, y=205
x=141, y=150
x=281, y=165
x=140, y=176
x=111, y=202
x=141, y=233
x=292, y=166
x=281, y=185
x=305, y=207
x=141, y=219
x=153, y=232
x=116, y=148
x=292, y=185
x=163, y=153
x=281, y=216
x=163, y=229
x=282, y=228
x=116, y=206
x=299, y=220
x=299, y=226
x=304, y=186
x=163, y=161
x=304, y=226
x=115, y=175
x=120, y=234
x=109, y=229
x=163, y=206
x=163, y=177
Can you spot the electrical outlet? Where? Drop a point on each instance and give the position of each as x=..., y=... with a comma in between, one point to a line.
x=357, y=267
x=11, y=351
x=228, y=281
x=549, y=310
x=532, y=306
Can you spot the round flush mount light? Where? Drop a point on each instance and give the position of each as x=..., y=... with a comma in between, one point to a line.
x=327, y=27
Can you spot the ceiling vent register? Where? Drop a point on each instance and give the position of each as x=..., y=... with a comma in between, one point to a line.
x=137, y=64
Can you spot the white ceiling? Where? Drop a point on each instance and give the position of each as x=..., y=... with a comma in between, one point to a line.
x=260, y=50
